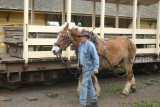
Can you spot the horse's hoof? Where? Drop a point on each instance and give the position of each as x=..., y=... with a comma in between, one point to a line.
x=122, y=95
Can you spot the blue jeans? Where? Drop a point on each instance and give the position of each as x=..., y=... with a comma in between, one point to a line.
x=87, y=85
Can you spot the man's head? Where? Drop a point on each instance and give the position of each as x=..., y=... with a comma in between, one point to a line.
x=83, y=36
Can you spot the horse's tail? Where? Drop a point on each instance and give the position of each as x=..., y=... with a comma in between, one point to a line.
x=132, y=51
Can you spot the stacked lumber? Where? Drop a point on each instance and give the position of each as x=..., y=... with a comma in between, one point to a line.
x=13, y=35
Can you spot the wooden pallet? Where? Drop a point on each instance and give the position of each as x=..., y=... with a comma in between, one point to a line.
x=13, y=35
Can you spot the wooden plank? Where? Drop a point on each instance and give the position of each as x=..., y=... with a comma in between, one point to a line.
x=134, y=20
x=102, y=18
x=51, y=29
x=40, y=41
x=25, y=31
x=138, y=17
x=93, y=13
x=13, y=28
x=69, y=4
x=14, y=32
x=46, y=54
x=158, y=28
x=117, y=31
x=32, y=12
x=145, y=41
x=146, y=51
x=117, y=16
x=146, y=31
x=63, y=11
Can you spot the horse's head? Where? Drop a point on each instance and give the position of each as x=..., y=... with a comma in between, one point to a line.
x=63, y=40
x=66, y=36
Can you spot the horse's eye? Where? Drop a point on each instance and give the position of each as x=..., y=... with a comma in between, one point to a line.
x=62, y=36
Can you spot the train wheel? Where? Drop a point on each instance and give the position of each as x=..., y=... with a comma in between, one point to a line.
x=49, y=82
x=11, y=85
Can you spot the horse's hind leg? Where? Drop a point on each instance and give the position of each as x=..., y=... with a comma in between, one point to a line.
x=133, y=84
x=130, y=80
x=96, y=85
x=79, y=84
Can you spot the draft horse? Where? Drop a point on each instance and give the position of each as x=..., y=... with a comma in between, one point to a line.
x=116, y=51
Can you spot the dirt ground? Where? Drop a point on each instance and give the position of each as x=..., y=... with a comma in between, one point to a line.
x=64, y=94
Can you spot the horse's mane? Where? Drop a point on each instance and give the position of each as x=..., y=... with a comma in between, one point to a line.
x=71, y=26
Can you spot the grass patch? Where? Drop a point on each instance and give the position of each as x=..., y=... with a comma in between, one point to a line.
x=144, y=103
x=117, y=88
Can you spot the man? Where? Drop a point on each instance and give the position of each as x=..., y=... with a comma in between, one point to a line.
x=88, y=61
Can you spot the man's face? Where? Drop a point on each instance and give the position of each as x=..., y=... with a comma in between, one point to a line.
x=83, y=39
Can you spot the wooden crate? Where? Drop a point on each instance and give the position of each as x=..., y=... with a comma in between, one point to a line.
x=14, y=40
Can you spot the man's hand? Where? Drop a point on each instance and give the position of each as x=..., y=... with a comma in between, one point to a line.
x=96, y=71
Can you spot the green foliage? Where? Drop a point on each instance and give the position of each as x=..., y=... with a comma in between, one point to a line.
x=117, y=88
x=144, y=104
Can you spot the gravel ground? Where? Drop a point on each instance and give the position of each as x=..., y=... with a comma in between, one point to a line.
x=64, y=95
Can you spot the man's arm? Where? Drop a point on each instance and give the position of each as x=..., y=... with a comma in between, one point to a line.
x=95, y=58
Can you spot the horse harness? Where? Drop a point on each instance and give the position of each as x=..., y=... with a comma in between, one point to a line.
x=66, y=41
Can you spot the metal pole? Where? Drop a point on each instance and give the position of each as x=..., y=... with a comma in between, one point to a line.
x=102, y=18
x=134, y=19
x=158, y=28
x=25, y=32
x=117, y=15
x=138, y=17
x=93, y=13
x=63, y=11
x=32, y=12
x=68, y=21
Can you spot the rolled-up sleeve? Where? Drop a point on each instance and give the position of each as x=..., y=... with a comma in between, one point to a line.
x=95, y=57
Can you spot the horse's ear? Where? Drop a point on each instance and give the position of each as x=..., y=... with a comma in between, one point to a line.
x=66, y=28
x=63, y=23
x=86, y=30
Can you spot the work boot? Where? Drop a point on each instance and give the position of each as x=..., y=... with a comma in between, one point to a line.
x=94, y=104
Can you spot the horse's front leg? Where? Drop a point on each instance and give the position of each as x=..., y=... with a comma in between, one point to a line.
x=130, y=81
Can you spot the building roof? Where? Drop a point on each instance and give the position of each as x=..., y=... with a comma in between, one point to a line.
x=80, y=7
x=129, y=2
